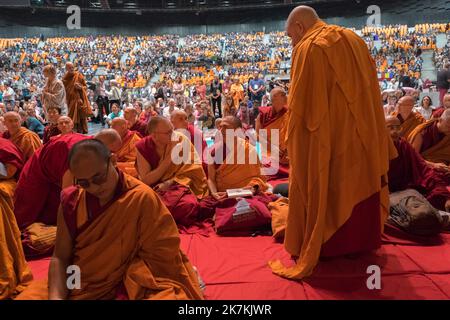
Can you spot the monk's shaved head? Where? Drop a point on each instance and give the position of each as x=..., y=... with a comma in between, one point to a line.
x=12, y=121
x=405, y=105
x=120, y=125
x=65, y=124
x=234, y=122
x=446, y=101
x=444, y=122
x=110, y=138
x=154, y=122
x=11, y=115
x=179, y=114
x=94, y=146
x=394, y=126
x=300, y=20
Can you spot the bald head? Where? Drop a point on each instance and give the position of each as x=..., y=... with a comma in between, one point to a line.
x=65, y=125
x=405, y=105
x=120, y=125
x=300, y=20
x=394, y=126
x=69, y=67
x=443, y=124
x=278, y=98
x=446, y=101
x=110, y=138
x=179, y=119
x=12, y=121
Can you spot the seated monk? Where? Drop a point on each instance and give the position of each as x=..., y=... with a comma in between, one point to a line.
x=275, y=118
x=134, y=124
x=432, y=139
x=240, y=169
x=135, y=240
x=408, y=118
x=410, y=170
x=14, y=271
x=445, y=106
x=51, y=129
x=27, y=141
x=180, y=123
x=177, y=177
x=40, y=183
x=126, y=155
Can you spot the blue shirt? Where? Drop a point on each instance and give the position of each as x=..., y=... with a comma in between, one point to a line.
x=35, y=125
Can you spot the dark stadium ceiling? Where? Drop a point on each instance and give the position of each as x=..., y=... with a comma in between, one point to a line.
x=175, y=5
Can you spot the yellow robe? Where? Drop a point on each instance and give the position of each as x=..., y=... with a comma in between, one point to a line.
x=440, y=152
x=27, y=141
x=408, y=125
x=232, y=175
x=15, y=274
x=135, y=242
x=189, y=174
x=126, y=156
x=237, y=92
x=337, y=142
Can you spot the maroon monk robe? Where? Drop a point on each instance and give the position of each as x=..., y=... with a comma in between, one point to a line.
x=410, y=171
x=50, y=131
x=181, y=202
x=437, y=113
x=37, y=196
x=431, y=136
x=140, y=127
x=10, y=154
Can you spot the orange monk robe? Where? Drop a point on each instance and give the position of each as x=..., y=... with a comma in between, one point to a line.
x=237, y=92
x=77, y=101
x=14, y=271
x=233, y=175
x=126, y=156
x=136, y=245
x=189, y=174
x=15, y=274
x=270, y=122
x=27, y=141
x=338, y=149
x=409, y=124
x=435, y=145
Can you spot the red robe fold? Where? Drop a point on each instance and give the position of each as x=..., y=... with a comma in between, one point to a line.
x=11, y=154
x=140, y=127
x=50, y=131
x=40, y=182
x=410, y=171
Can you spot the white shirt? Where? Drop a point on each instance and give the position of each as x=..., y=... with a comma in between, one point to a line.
x=424, y=112
x=166, y=111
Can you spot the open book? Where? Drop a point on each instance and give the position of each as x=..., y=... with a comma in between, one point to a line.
x=239, y=193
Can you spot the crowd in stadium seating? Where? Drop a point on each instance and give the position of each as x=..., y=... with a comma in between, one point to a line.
x=188, y=67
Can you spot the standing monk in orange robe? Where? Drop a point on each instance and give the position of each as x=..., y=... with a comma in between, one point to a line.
x=27, y=141
x=77, y=100
x=14, y=271
x=120, y=219
x=432, y=139
x=408, y=118
x=274, y=118
x=126, y=155
x=337, y=144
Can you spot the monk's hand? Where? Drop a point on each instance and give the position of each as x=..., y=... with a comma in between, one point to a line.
x=163, y=186
x=219, y=195
x=78, y=86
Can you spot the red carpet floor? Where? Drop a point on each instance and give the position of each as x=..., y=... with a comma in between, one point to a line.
x=236, y=268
